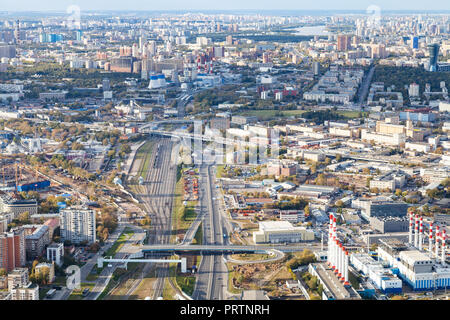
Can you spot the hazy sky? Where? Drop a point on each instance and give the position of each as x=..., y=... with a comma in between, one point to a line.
x=61, y=5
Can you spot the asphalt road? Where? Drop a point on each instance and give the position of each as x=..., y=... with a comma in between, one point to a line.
x=212, y=273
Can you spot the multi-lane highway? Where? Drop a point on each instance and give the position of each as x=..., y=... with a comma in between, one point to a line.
x=212, y=274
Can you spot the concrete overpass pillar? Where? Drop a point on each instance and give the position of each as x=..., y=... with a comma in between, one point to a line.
x=183, y=265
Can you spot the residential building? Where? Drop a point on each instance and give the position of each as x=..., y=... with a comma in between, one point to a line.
x=12, y=249
x=78, y=225
x=55, y=253
x=46, y=268
x=18, y=278
x=36, y=238
x=29, y=292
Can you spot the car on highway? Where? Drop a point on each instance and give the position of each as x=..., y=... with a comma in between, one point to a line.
x=85, y=292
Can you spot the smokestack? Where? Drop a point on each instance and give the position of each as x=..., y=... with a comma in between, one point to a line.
x=333, y=263
x=443, y=253
x=421, y=233
x=329, y=239
x=336, y=257
x=411, y=228
x=430, y=239
x=436, y=245
x=416, y=233
x=346, y=283
x=340, y=261
x=343, y=263
x=321, y=242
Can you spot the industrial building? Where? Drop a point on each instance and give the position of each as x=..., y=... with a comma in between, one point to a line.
x=281, y=231
x=422, y=268
x=379, y=208
x=389, y=224
x=16, y=207
x=34, y=186
x=383, y=278
x=333, y=275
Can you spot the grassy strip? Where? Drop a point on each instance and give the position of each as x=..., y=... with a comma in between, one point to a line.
x=168, y=291
x=77, y=294
x=186, y=284
x=115, y=279
x=182, y=216
x=250, y=257
x=232, y=274
x=219, y=171
x=198, y=238
x=144, y=153
x=126, y=234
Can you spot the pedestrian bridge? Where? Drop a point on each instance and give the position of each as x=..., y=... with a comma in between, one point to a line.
x=219, y=249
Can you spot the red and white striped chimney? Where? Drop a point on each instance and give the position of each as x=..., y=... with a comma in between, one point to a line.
x=411, y=228
x=330, y=235
x=346, y=282
x=416, y=233
x=436, y=245
x=343, y=263
x=430, y=239
x=336, y=257
x=444, y=245
x=421, y=233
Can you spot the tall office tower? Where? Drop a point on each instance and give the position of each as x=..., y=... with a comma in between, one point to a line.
x=12, y=249
x=415, y=42
x=343, y=42
x=135, y=50
x=17, y=32
x=316, y=68
x=78, y=225
x=79, y=34
x=433, y=49
x=151, y=48
x=229, y=40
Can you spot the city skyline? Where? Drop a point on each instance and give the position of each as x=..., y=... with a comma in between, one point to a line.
x=262, y=5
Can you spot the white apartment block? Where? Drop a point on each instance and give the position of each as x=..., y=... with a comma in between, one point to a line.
x=78, y=225
x=55, y=253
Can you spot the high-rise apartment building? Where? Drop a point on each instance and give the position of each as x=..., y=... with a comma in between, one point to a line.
x=344, y=42
x=12, y=249
x=433, y=49
x=78, y=225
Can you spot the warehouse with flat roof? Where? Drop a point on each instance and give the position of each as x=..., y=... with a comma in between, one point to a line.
x=280, y=232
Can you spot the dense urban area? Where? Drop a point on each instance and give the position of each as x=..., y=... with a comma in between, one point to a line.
x=224, y=156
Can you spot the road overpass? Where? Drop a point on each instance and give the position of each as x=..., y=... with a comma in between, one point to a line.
x=220, y=249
